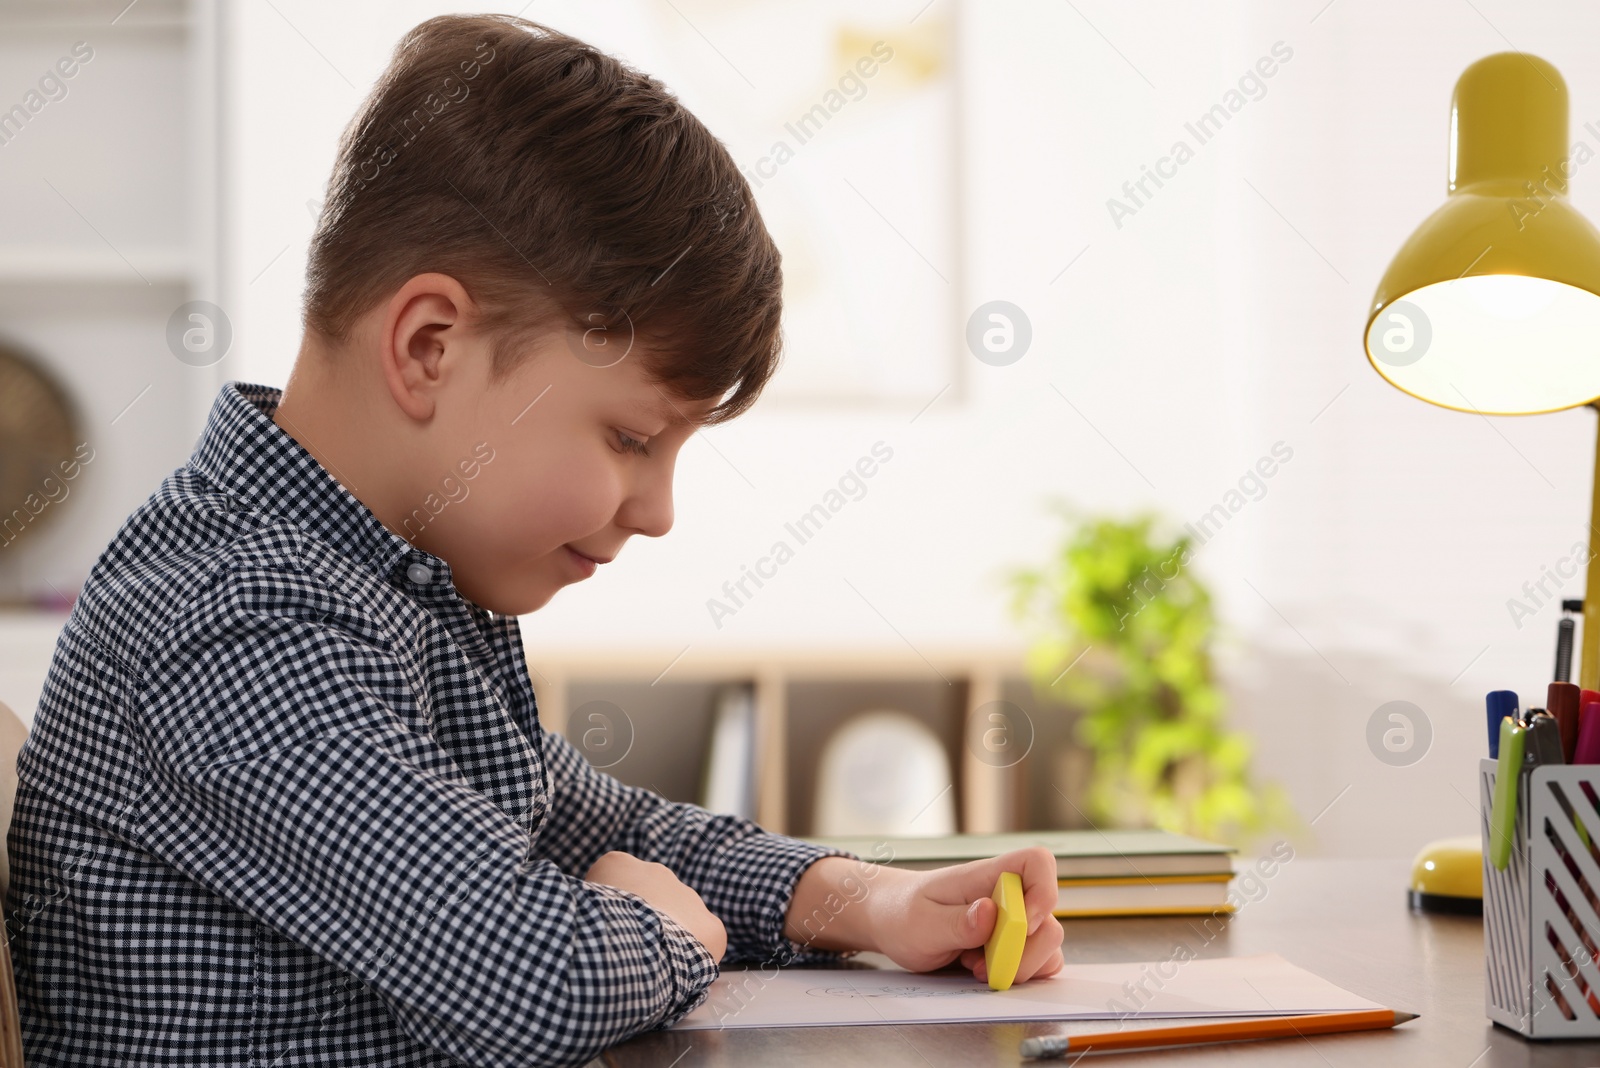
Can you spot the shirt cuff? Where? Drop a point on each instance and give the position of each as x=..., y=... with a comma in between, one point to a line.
x=693, y=969
x=775, y=863
x=686, y=966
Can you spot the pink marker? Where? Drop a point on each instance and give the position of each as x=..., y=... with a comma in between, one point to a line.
x=1588, y=748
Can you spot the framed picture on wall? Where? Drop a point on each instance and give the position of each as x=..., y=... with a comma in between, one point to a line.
x=843, y=118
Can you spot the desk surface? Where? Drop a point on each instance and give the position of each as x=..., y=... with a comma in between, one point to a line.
x=1344, y=920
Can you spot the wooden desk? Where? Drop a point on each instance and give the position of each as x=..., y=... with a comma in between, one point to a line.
x=1344, y=920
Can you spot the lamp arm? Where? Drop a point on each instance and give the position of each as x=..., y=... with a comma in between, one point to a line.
x=1589, y=662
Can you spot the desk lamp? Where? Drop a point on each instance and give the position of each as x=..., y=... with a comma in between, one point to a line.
x=1493, y=304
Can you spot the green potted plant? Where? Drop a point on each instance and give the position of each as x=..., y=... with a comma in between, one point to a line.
x=1122, y=598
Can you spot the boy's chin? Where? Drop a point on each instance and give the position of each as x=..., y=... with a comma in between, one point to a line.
x=537, y=600
x=506, y=600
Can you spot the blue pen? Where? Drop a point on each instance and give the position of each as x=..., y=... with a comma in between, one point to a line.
x=1502, y=703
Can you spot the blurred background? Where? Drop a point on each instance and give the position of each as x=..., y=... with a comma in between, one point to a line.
x=1074, y=280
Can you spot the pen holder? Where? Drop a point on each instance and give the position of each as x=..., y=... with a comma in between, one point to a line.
x=1541, y=916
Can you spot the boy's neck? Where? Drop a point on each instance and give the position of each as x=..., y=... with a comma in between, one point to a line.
x=326, y=413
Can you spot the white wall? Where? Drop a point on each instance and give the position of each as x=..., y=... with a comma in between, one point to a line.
x=1226, y=315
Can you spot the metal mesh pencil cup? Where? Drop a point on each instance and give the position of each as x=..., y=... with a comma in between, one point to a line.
x=1541, y=916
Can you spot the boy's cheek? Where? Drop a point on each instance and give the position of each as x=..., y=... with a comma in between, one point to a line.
x=537, y=516
x=455, y=491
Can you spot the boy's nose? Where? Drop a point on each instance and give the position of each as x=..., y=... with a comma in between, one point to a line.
x=649, y=511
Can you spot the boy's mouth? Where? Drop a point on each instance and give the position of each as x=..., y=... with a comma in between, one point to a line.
x=585, y=562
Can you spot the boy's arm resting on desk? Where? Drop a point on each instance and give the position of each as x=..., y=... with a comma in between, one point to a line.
x=285, y=782
x=746, y=875
x=784, y=901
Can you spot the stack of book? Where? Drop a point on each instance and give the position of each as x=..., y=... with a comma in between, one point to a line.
x=1100, y=873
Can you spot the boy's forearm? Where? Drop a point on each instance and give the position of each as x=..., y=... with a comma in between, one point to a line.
x=835, y=900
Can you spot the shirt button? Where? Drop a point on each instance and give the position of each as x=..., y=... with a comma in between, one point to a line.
x=420, y=573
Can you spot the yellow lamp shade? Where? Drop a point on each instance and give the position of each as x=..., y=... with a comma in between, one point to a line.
x=1493, y=304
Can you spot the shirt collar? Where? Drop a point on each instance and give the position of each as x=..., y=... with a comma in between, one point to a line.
x=253, y=459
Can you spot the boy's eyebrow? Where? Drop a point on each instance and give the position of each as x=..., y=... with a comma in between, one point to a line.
x=667, y=413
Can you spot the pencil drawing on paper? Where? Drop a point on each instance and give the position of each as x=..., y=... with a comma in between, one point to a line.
x=891, y=992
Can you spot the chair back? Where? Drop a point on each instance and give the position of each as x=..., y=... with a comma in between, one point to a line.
x=12, y=734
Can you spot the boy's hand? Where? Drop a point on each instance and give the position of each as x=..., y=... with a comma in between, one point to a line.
x=664, y=892
x=924, y=920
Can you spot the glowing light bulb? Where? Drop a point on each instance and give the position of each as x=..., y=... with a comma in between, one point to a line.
x=1508, y=296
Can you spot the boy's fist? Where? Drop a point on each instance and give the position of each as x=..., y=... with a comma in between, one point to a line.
x=925, y=920
x=664, y=892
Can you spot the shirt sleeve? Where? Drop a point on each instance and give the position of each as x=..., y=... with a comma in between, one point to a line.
x=292, y=774
x=746, y=875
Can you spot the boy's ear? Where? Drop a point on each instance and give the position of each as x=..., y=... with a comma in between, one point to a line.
x=423, y=340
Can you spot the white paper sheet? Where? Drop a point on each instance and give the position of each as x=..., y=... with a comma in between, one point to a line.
x=1264, y=985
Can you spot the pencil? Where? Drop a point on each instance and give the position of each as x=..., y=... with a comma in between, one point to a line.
x=1321, y=1023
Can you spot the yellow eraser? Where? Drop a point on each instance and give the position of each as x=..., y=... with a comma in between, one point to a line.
x=1002, y=954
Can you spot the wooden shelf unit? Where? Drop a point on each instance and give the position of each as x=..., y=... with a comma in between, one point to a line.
x=800, y=696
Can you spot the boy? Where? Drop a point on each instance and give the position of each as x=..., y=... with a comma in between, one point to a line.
x=287, y=800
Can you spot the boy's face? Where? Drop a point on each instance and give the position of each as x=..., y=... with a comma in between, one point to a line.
x=567, y=461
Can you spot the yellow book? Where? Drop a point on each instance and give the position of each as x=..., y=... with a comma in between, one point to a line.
x=1155, y=895
x=1100, y=873
x=1079, y=854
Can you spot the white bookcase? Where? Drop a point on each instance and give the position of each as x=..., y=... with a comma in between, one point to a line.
x=110, y=223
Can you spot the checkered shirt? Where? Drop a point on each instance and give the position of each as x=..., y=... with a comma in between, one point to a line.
x=287, y=801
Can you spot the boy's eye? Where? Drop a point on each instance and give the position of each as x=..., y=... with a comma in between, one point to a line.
x=633, y=444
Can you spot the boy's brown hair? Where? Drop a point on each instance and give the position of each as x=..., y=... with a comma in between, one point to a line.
x=557, y=185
